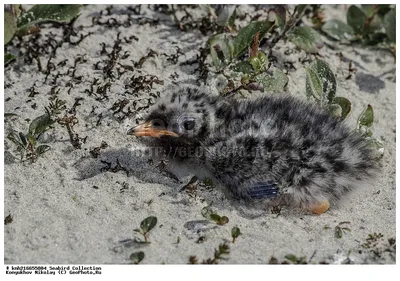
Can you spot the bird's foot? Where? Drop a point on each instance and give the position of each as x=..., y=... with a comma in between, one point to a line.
x=319, y=208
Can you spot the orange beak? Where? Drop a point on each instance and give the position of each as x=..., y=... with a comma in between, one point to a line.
x=147, y=130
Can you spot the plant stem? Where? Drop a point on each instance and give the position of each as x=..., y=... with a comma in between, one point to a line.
x=289, y=26
x=33, y=153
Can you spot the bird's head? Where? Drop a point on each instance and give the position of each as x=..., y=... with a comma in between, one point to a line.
x=182, y=117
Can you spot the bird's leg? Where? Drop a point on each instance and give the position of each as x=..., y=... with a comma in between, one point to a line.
x=287, y=200
x=235, y=165
x=319, y=208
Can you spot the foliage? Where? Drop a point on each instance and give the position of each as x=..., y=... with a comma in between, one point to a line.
x=364, y=123
x=136, y=257
x=306, y=38
x=372, y=240
x=368, y=24
x=296, y=260
x=235, y=233
x=338, y=30
x=145, y=226
x=21, y=23
x=27, y=143
x=8, y=58
x=321, y=87
x=236, y=53
x=209, y=214
x=219, y=254
x=226, y=52
x=242, y=41
x=340, y=229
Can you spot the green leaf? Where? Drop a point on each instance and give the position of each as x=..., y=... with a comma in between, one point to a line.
x=235, y=232
x=226, y=14
x=300, y=9
x=138, y=230
x=12, y=137
x=8, y=58
x=390, y=25
x=259, y=62
x=368, y=9
x=280, y=24
x=313, y=84
x=383, y=9
x=22, y=137
x=365, y=132
x=326, y=77
x=338, y=30
x=373, y=22
x=220, y=51
x=136, y=257
x=338, y=232
x=274, y=83
x=207, y=212
x=215, y=217
x=335, y=110
x=306, y=38
x=356, y=19
x=242, y=66
x=231, y=21
x=42, y=149
x=17, y=10
x=27, y=30
x=377, y=145
x=45, y=12
x=292, y=258
x=345, y=104
x=280, y=12
x=245, y=79
x=148, y=223
x=40, y=124
x=31, y=139
x=10, y=23
x=367, y=117
x=223, y=220
x=245, y=37
x=376, y=38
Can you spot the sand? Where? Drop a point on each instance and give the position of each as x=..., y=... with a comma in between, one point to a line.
x=72, y=208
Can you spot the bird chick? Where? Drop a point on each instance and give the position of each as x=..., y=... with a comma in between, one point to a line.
x=275, y=147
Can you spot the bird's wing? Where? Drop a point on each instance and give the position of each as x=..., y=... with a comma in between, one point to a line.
x=262, y=190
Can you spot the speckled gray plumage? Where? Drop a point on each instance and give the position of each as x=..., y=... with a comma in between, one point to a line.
x=276, y=140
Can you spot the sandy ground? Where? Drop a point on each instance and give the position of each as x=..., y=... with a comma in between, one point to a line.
x=70, y=207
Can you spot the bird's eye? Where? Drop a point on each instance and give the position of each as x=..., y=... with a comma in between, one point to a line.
x=157, y=123
x=188, y=124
